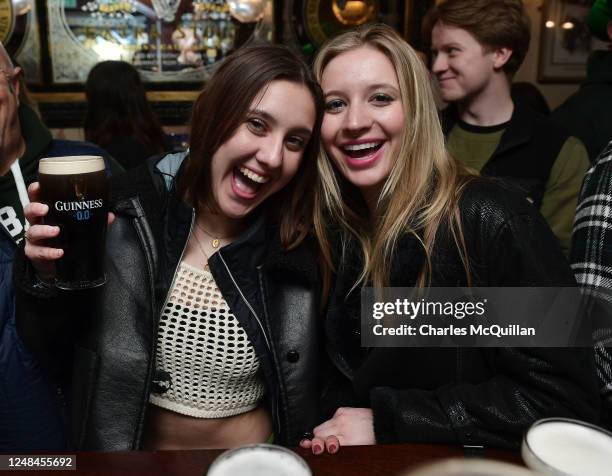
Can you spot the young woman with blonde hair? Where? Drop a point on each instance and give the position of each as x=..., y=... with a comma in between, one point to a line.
x=394, y=209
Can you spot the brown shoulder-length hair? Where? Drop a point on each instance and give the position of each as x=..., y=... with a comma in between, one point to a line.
x=220, y=109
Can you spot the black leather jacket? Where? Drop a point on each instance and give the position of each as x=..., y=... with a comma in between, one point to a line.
x=469, y=396
x=108, y=337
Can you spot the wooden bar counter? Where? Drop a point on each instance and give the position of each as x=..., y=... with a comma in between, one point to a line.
x=379, y=460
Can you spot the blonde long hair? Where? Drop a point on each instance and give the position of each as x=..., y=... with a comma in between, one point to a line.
x=424, y=185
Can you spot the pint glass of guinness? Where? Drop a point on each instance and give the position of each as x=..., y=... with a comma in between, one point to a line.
x=76, y=191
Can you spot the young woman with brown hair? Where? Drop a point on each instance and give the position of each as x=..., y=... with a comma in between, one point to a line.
x=204, y=335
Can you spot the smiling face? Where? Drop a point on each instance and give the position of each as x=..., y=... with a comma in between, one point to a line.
x=265, y=151
x=364, y=120
x=462, y=65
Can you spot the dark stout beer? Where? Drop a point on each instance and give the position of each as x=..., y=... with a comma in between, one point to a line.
x=76, y=191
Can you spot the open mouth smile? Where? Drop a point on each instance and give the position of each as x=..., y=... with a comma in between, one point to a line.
x=246, y=183
x=361, y=151
x=363, y=155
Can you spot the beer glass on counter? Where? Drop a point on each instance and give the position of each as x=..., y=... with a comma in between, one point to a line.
x=259, y=460
x=567, y=447
x=76, y=191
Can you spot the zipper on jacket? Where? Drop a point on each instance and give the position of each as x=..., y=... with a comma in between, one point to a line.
x=177, y=267
x=276, y=396
x=263, y=330
x=246, y=302
x=156, y=320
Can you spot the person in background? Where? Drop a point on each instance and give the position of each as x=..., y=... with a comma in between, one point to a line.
x=205, y=334
x=119, y=118
x=32, y=406
x=591, y=259
x=27, y=398
x=477, y=47
x=394, y=209
x=587, y=114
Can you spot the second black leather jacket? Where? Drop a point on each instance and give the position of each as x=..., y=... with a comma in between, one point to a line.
x=104, y=348
x=469, y=396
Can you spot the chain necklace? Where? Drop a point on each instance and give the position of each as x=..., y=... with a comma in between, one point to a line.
x=215, y=240
x=205, y=267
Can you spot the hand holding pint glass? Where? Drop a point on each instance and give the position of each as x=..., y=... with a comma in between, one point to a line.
x=69, y=212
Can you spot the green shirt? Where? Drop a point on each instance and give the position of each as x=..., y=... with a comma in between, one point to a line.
x=561, y=191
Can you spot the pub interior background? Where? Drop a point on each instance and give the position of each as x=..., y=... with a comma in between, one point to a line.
x=58, y=41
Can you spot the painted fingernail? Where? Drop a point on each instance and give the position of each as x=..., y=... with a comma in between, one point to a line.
x=317, y=449
x=333, y=448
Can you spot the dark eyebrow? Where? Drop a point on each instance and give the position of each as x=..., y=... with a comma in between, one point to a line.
x=263, y=114
x=271, y=119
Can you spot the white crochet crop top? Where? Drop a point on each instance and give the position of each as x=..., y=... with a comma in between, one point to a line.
x=213, y=368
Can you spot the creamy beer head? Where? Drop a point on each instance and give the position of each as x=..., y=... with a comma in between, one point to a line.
x=470, y=467
x=76, y=191
x=259, y=460
x=565, y=447
x=71, y=165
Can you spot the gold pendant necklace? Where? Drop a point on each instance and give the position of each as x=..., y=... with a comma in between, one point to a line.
x=215, y=240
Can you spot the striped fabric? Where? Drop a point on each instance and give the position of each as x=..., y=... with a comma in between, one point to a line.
x=591, y=258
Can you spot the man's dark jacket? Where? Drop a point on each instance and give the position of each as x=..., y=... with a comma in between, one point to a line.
x=587, y=114
x=110, y=337
x=31, y=414
x=468, y=396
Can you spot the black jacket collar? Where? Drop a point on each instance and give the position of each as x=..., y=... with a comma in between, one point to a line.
x=171, y=218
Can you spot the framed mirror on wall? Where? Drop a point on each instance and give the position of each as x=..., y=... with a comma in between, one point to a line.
x=168, y=41
x=174, y=44
x=566, y=42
